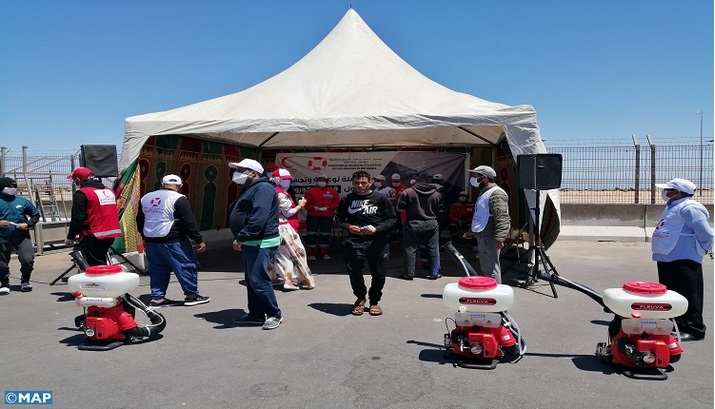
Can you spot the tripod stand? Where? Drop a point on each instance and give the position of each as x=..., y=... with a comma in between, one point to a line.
x=78, y=261
x=540, y=258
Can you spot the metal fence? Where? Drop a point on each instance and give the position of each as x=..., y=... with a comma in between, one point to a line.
x=628, y=174
x=591, y=174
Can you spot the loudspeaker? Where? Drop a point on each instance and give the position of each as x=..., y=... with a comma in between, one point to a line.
x=541, y=171
x=102, y=159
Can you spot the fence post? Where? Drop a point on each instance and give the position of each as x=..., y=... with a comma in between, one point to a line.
x=3, y=155
x=638, y=169
x=652, y=169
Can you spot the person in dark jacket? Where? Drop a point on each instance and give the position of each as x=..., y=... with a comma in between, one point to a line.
x=254, y=224
x=167, y=225
x=368, y=217
x=422, y=204
x=17, y=216
x=95, y=218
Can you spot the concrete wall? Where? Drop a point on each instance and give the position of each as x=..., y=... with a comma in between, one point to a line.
x=611, y=222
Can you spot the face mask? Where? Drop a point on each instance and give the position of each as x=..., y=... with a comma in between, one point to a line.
x=239, y=178
x=285, y=184
x=462, y=199
x=378, y=184
x=322, y=184
x=474, y=182
x=664, y=196
x=10, y=191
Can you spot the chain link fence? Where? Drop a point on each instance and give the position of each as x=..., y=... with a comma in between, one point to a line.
x=628, y=174
x=591, y=174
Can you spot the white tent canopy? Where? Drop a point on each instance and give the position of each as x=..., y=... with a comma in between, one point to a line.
x=350, y=91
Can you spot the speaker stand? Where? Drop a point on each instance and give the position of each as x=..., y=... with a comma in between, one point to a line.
x=59, y=277
x=540, y=258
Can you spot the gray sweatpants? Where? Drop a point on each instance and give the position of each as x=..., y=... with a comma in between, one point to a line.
x=489, y=257
x=25, y=253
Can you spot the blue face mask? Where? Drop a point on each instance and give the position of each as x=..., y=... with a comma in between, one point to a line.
x=10, y=191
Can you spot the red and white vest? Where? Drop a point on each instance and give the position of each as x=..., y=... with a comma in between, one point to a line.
x=102, y=214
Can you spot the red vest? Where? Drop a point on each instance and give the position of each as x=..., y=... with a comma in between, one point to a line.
x=102, y=214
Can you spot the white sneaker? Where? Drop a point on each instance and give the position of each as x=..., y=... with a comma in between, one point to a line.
x=4, y=290
x=326, y=257
x=290, y=287
x=311, y=258
x=25, y=287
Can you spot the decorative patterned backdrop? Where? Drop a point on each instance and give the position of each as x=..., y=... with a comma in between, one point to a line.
x=202, y=166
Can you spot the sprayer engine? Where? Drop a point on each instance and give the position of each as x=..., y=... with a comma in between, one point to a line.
x=108, y=321
x=482, y=332
x=640, y=335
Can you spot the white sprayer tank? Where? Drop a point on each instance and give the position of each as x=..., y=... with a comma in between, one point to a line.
x=103, y=281
x=646, y=300
x=478, y=294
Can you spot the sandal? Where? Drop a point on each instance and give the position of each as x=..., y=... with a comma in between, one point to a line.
x=375, y=310
x=358, y=307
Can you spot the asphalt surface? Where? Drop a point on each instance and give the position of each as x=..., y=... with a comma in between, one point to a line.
x=322, y=357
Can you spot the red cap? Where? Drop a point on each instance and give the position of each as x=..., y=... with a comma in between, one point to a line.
x=282, y=173
x=645, y=287
x=477, y=282
x=80, y=173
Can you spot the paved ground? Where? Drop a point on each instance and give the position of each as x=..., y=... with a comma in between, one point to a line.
x=322, y=357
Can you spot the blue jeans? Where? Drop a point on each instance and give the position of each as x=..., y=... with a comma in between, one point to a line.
x=261, y=297
x=163, y=258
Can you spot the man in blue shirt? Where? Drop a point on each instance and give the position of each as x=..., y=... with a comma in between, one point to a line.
x=17, y=216
x=680, y=240
x=254, y=224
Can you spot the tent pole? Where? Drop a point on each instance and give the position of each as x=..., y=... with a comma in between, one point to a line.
x=476, y=135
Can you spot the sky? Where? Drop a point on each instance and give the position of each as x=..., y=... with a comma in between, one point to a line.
x=596, y=72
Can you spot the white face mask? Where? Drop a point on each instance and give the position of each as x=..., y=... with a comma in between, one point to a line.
x=474, y=182
x=239, y=178
x=664, y=196
x=462, y=199
x=10, y=191
x=322, y=184
x=285, y=184
x=378, y=184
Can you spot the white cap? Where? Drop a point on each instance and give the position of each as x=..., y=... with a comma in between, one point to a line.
x=463, y=193
x=396, y=176
x=681, y=185
x=380, y=177
x=485, y=170
x=247, y=164
x=322, y=177
x=171, y=180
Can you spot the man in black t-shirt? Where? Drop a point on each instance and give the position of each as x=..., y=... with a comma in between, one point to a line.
x=367, y=216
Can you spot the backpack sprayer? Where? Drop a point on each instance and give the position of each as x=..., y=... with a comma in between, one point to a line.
x=484, y=333
x=640, y=336
x=109, y=309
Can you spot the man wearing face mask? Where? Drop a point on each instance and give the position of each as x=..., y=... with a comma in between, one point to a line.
x=680, y=240
x=460, y=216
x=490, y=222
x=17, y=216
x=95, y=218
x=322, y=202
x=382, y=187
x=254, y=224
